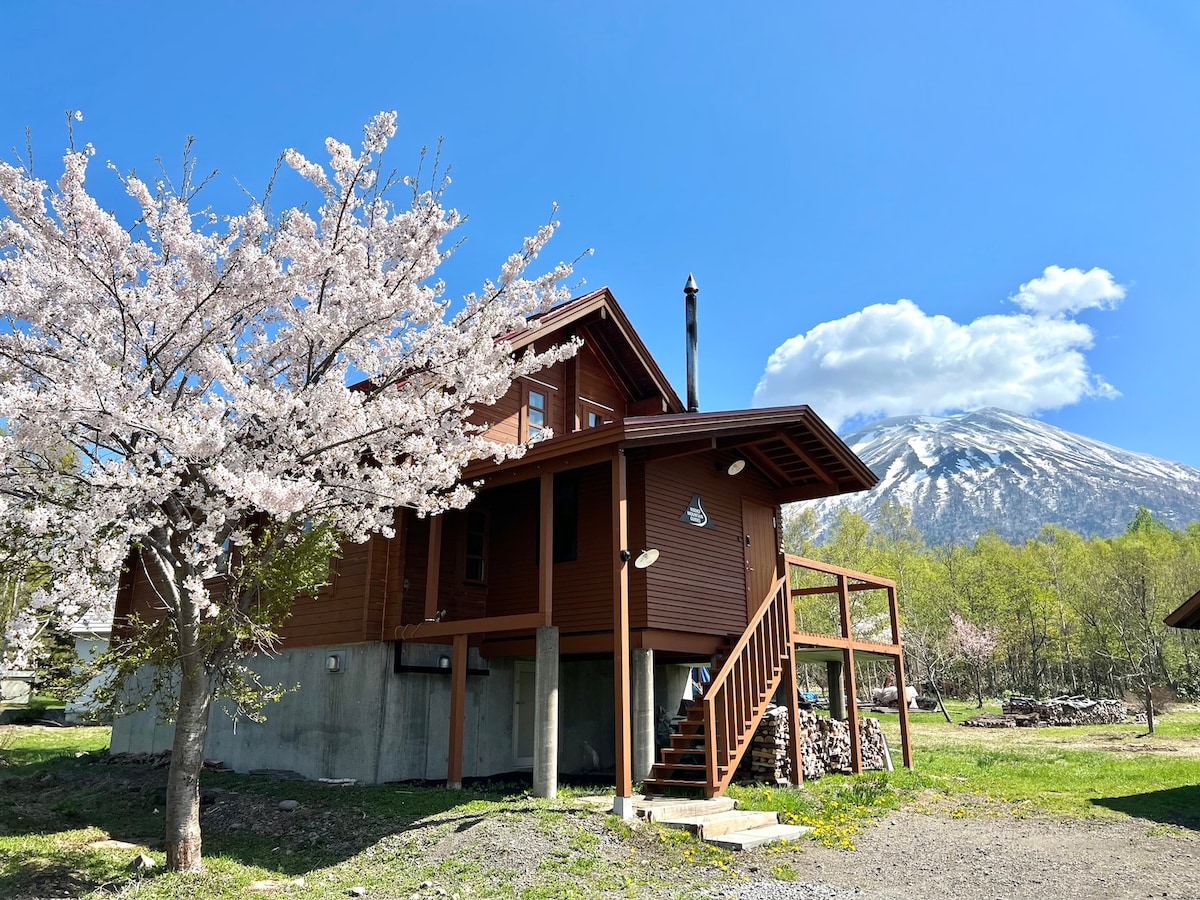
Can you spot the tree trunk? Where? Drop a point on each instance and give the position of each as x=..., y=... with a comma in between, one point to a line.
x=978, y=689
x=1149, y=709
x=183, y=778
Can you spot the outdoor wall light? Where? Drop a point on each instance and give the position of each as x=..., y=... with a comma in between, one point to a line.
x=443, y=661
x=644, y=560
x=736, y=467
x=333, y=663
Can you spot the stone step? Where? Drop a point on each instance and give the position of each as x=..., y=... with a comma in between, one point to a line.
x=759, y=837
x=656, y=810
x=707, y=827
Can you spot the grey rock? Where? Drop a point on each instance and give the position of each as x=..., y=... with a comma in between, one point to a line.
x=289, y=805
x=142, y=863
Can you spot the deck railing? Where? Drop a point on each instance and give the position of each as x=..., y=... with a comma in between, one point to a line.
x=737, y=697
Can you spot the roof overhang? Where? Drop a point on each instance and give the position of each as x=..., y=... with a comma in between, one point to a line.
x=1188, y=615
x=791, y=446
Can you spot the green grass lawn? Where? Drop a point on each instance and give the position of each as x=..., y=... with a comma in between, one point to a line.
x=61, y=808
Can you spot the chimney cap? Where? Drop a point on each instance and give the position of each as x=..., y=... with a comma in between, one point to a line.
x=691, y=287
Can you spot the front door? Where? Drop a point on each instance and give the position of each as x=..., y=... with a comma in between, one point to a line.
x=523, y=695
x=762, y=551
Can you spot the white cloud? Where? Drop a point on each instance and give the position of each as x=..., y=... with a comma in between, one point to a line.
x=1065, y=291
x=894, y=359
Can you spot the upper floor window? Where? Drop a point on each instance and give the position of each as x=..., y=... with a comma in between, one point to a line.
x=536, y=415
x=476, y=550
x=595, y=413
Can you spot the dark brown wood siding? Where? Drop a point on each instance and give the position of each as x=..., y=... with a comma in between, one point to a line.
x=596, y=384
x=339, y=613
x=699, y=582
x=512, y=586
x=583, y=587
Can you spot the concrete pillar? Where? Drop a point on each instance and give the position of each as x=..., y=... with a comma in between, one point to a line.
x=641, y=700
x=837, y=690
x=545, y=713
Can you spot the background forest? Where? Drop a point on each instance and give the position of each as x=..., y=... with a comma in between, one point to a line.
x=1057, y=614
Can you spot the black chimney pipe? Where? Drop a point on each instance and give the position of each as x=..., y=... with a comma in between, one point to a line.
x=690, y=290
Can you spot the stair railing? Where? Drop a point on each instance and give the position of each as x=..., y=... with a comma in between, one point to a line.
x=736, y=698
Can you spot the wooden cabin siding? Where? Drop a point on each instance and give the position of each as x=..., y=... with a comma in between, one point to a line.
x=460, y=598
x=503, y=417
x=596, y=384
x=512, y=586
x=635, y=489
x=583, y=587
x=337, y=614
x=416, y=564
x=699, y=582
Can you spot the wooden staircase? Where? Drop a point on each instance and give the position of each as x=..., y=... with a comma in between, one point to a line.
x=707, y=745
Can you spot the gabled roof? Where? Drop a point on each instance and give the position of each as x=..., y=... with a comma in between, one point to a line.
x=600, y=321
x=1188, y=615
x=796, y=451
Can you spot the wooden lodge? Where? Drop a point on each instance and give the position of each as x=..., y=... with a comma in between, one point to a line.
x=547, y=623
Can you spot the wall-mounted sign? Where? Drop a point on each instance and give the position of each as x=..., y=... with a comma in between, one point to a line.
x=695, y=514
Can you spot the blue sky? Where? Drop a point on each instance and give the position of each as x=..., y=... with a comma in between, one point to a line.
x=813, y=164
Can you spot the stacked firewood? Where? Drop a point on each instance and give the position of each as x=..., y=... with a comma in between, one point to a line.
x=991, y=720
x=767, y=761
x=1066, y=710
x=824, y=747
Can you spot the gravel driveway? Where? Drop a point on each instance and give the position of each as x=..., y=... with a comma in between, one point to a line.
x=918, y=856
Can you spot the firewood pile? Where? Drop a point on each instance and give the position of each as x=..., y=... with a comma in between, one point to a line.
x=824, y=747
x=991, y=720
x=1067, y=710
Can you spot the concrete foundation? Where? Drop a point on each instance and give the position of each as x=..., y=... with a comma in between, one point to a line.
x=375, y=725
x=545, y=716
x=641, y=701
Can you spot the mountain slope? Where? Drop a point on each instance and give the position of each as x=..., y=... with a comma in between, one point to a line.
x=962, y=475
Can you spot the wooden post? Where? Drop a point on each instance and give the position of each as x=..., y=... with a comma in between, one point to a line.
x=458, y=711
x=623, y=801
x=433, y=567
x=546, y=549
x=843, y=585
x=793, y=689
x=901, y=686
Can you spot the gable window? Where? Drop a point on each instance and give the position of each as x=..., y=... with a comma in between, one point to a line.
x=595, y=414
x=536, y=409
x=475, y=568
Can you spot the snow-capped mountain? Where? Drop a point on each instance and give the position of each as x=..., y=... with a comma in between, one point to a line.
x=993, y=469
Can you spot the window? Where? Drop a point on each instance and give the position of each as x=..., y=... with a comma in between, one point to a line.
x=535, y=415
x=594, y=419
x=476, y=555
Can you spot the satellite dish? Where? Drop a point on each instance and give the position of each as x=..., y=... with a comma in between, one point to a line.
x=736, y=466
x=646, y=559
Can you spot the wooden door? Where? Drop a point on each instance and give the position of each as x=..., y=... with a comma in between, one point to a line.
x=761, y=544
x=523, y=694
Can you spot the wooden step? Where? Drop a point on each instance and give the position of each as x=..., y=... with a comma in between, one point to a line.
x=714, y=825
x=651, y=784
x=655, y=810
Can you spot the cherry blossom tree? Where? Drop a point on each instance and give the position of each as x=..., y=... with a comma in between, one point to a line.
x=975, y=645
x=267, y=382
